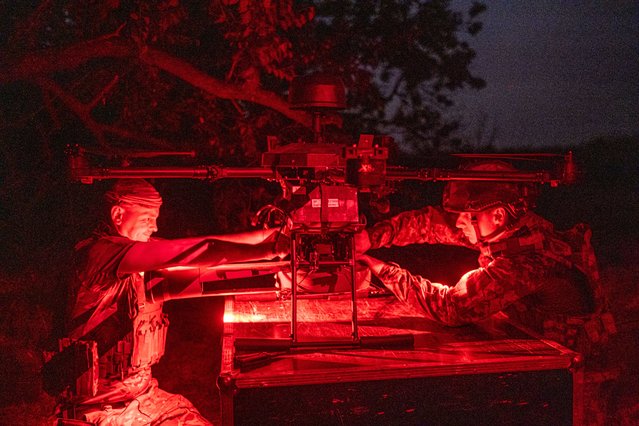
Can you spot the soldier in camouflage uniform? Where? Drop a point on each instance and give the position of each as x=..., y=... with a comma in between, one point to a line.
x=545, y=279
x=111, y=320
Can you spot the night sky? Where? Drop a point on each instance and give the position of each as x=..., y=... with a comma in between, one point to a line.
x=558, y=73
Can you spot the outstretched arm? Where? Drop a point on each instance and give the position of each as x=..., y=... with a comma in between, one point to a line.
x=204, y=251
x=430, y=225
x=478, y=294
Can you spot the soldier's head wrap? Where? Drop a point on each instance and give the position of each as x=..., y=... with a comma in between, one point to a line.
x=475, y=196
x=135, y=192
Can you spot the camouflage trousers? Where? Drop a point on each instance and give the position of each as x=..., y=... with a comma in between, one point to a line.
x=152, y=407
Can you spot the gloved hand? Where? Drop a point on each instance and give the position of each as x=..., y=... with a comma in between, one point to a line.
x=362, y=242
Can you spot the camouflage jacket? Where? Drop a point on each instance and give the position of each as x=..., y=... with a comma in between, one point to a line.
x=545, y=279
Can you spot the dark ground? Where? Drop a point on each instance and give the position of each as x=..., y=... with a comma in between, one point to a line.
x=607, y=199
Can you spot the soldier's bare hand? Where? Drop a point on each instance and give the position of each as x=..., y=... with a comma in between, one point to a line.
x=375, y=265
x=362, y=242
x=281, y=244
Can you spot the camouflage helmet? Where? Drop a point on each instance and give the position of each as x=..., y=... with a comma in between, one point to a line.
x=475, y=196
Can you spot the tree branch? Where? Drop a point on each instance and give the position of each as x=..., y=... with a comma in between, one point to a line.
x=43, y=63
x=83, y=111
x=53, y=60
x=201, y=80
x=77, y=107
x=103, y=92
x=128, y=134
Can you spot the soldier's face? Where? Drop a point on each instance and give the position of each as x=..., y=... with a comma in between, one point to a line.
x=485, y=222
x=135, y=222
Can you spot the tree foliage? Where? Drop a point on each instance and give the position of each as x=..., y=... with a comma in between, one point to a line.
x=212, y=75
x=209, y=76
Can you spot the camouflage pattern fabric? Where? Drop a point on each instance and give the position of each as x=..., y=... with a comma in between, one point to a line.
x=539, y=277
x=429, y=225
x=152, y=407
x=117, y=389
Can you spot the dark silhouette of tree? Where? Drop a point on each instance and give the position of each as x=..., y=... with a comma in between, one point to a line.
x=401, y=60
x=213, y=75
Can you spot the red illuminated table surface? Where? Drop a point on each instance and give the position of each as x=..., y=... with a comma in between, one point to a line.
x=490, y=350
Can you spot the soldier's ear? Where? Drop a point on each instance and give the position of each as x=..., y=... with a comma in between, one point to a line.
x=500, y=216
x=117, y=213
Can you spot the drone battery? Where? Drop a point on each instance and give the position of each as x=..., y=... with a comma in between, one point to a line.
x=328, y=206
